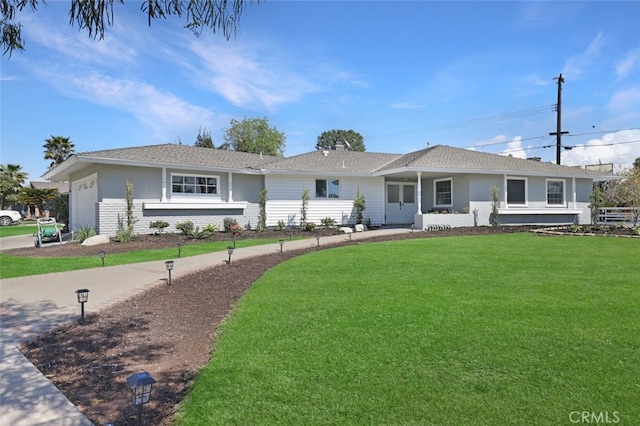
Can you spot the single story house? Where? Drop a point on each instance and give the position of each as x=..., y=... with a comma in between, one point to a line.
x=440, y=185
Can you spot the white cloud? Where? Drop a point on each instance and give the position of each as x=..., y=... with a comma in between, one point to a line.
x=515, y=148
x=163, y=113
x=625, y=100
x=628, y=63
x=578, y=64
x=246, y=80
x=620, y=148
x=74, y=45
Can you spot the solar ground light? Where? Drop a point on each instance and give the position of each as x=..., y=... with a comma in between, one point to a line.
x=179, y=248
x=83, y=296
x=169, y=265
x=229, y=252
x=140, y=384
x=281, y=242
x=102, y=254
x=318, y=240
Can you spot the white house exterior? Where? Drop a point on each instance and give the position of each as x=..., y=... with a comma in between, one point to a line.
x=176, y=183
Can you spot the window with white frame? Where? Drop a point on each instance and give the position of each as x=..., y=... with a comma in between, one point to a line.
x=327, y=188
x=443, y=192
x=194, y=185
x=555, y=192
x=516, y=191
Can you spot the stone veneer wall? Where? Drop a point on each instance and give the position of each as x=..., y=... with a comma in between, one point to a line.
x=113, y=214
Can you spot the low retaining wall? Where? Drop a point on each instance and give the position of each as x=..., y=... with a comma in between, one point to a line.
x=425, y=221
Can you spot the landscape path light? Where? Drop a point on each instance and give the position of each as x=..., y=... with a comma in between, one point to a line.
x=229, y=252
x=233, y=238
x=140, y=385
x=318, y=240
x=102, y=254
x=169, y=265
x=281, y=242
x=349, y=234
x=179, y=248
x=82, y=295
x=413, y=226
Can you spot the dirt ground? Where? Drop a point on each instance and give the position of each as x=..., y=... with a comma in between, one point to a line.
x=168, y=330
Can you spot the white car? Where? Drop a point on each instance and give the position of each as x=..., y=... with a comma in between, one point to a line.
x=7, y=217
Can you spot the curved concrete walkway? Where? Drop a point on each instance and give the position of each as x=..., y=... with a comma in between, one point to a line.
x=34, y=305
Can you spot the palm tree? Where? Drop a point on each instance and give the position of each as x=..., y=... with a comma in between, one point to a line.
x=58, y=149
x=11, y=179
x=37, y=197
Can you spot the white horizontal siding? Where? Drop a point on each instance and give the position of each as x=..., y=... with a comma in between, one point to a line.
x=285, y=199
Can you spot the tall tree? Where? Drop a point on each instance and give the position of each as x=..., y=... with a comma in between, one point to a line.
x=92, y=16
x=255, y=135
x=204, y=140
x=11, y=179
x=58, y=149
x=352, y=140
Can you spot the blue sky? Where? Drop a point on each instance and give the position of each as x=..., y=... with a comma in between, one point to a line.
x=403, y=74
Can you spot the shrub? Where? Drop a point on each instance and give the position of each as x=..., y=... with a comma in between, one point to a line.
x=83, y=233
x=160, y=225
x=262, y=216
x=236, y=229
x=359, y=206
x=304, y=208
x=367, y=222
x=123, y=235
x=327, y=222
x=494, y=217
x=308, y=226
x=228, y=222
x=185, y=227
x=281, y=225
x=211, y=228
x=197, y=234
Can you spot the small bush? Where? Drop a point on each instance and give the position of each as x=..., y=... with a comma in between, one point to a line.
x=160, y=225
x=236, y=229
x=124, y=235
x=281, y=225
x=327, y=222
x=308, y=226
x=367, y=222
x=83, y=233
x=228, y=222
x=185, y=227
x=197, y=234
x=212, y=227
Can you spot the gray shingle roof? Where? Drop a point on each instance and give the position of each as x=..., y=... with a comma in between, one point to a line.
x=182, y=155
x=338, y=161
x=442, y=157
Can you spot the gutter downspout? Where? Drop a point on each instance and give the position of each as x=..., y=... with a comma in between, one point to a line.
x=230, y=200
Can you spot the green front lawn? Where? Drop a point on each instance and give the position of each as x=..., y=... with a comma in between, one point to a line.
x=16, y=266
x=484, y=330
x=18, y=230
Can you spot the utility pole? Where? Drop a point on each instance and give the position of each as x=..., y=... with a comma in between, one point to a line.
x=558, y=133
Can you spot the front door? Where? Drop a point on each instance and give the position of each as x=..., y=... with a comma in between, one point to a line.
x=401, y=203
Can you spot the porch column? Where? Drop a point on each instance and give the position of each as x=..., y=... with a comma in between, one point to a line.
x=505, y=193
x=164, y=184
x=573, y=189
x=419, y=192
x=230, y=200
